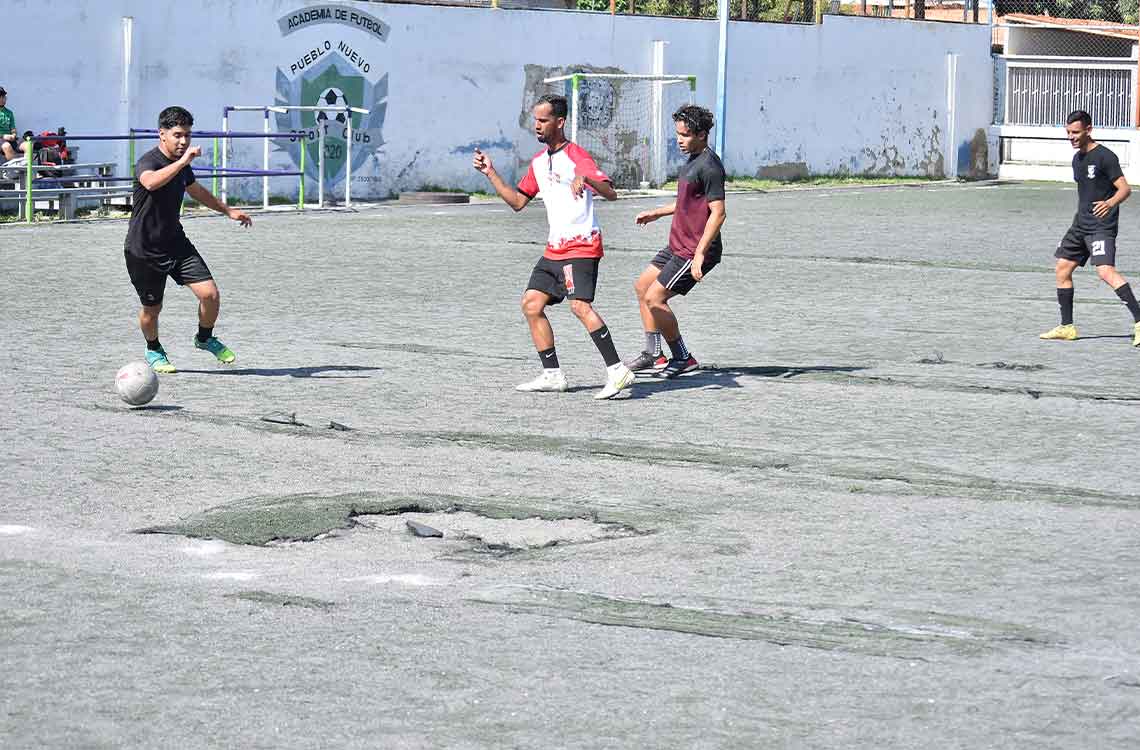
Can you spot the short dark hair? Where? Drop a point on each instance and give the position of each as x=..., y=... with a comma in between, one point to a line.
x=3, y=92
x=173, y=117
x=696, y=119
x=556, y=102
x=1080, y=116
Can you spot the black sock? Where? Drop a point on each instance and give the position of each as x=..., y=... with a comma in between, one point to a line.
x=204, y=334
x=1124, y=291
x=605, y=343
x=548, y=358
x=680, y=351
x=1065, y=300
x=653, y=343
x=154, y=346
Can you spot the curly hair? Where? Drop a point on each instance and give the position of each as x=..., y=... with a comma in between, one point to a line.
x=696, y=119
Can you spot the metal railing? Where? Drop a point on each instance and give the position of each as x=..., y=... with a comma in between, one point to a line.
x=1045, y=92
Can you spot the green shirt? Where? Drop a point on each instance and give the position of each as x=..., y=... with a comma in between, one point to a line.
x=7, y=121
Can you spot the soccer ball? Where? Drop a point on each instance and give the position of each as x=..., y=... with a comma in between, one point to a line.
x=334, y=99
x=136, y=383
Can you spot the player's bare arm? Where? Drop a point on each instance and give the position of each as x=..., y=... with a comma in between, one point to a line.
x=510, y=196
x=207, y=199
x=654, y=214
x=154, y=179
x=603, y=188
x=1100, y=209
x=712, y=229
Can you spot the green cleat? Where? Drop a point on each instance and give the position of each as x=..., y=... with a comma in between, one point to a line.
x=1062, y=333
x=217, y=348
x=159, y=362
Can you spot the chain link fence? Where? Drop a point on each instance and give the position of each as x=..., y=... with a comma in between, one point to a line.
x=773, y=11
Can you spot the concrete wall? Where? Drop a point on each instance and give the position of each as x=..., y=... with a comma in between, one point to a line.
x=855, y=95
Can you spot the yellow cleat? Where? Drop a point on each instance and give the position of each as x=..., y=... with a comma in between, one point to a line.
x=1062, y=333
x=1136, y=335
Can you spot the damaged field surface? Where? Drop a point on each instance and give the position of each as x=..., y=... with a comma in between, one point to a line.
x=882, y=514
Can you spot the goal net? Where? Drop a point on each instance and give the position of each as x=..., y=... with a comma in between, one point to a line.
x=626, y=122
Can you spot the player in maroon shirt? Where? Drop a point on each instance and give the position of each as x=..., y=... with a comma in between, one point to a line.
x=694, y=246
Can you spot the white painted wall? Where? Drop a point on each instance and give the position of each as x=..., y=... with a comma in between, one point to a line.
x=855, y=94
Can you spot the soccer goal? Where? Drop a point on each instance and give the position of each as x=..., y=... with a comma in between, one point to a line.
x=625, y=122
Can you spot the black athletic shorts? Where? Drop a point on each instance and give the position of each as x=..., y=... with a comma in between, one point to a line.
x=149, y=276
x=1078, y=245
x=675, y=275
x=576, y=278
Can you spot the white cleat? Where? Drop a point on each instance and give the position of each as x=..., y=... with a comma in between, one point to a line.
x=618, y=378
x=550, y=381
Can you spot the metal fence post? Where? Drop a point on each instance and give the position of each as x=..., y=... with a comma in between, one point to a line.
x=29, y=204
x=348, y=160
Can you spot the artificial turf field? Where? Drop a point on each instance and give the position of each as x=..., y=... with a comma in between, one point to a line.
x=883, y=513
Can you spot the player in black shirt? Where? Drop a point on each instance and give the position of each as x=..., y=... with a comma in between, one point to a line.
x=157, y=246
x=1101, y=188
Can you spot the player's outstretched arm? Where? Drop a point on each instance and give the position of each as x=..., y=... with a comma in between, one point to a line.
x=207, y=199
x=153, y=179
x=654, y=214
x=603, y=188
x=510, y=196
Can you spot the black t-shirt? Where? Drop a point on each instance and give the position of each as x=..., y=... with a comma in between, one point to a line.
x=701, y=180
x=1095, y=172
x=155, y=230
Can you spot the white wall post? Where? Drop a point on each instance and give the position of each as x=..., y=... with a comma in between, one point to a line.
x=225, y=152
x=128, y=26
x=265, y=161
x=348, y=160
x=657, y=123
x=321, y=127
x=950, y=151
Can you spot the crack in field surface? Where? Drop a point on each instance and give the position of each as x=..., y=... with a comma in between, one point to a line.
x=505, y=536
x=305, y=517
x=423, y=349
x=282, y=600
x=900, y=634
x=919, y=479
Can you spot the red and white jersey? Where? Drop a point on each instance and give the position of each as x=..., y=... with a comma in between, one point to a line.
x=574, y=231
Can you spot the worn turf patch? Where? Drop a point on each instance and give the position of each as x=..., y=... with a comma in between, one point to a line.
x=902, y=634
x=305, y=517
x=281, y=600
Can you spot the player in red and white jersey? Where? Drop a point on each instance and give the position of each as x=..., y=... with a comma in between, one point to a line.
x=566, y=177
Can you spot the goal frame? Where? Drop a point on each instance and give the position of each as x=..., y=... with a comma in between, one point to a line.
x=657, y=134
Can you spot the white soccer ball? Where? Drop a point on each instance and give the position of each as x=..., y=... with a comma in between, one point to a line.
x=136, y=383
x=336, y=102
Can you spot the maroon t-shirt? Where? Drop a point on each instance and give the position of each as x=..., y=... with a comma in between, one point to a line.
x=701, y=180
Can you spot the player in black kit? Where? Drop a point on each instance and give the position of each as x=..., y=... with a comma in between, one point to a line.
x=156, y=245
x=1101, y=188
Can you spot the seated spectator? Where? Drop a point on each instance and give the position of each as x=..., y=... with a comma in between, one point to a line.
x=10, y=144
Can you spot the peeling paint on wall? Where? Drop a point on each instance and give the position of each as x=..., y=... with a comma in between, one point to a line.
x=974, y=155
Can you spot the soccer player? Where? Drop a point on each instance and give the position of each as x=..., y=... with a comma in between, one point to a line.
x=566, y=177
x=157, y=246
x=10, y=145
x=694, y=246
x=1101, y=188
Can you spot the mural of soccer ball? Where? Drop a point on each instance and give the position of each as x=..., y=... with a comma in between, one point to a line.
x=336, y=102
